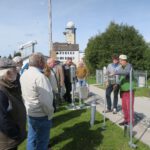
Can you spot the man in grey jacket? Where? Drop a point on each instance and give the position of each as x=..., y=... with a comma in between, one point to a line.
x=38, y=97
x=112, y=85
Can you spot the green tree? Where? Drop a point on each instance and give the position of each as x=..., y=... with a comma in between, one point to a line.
x=10, y=57
x=146, y=60
x=16, y=54
x=117, y=39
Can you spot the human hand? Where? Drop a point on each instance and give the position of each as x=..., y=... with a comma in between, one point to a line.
x=115, y=86
x=112, y=74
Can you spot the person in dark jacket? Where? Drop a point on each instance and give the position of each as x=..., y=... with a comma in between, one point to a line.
x=12, y=109
x=67, y=80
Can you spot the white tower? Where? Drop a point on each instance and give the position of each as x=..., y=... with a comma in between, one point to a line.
x=70, y=33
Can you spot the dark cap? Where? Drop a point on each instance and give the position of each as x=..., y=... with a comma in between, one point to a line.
x=6, y=63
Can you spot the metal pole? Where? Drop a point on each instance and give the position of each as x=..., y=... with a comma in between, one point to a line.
x=131, y=122
x=93, y=112
x=146, y=80
x=105, y=78
x=50, y=27
x=80, y=96
x=104, y=114
x=72, y=103
x=32, y=47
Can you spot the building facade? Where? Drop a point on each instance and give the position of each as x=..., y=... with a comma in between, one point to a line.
x=65, y=50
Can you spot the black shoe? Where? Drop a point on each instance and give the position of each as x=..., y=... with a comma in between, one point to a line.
x=123, y=123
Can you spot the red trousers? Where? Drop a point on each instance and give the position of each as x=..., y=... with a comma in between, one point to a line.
x=126, y=106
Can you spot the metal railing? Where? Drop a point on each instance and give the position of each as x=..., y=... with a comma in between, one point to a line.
x=140, y=77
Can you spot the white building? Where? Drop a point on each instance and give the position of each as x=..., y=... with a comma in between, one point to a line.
x=65, y=50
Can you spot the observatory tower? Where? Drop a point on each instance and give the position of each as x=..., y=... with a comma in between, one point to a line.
x=70, y=33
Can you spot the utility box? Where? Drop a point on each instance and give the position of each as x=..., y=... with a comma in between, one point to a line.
x=141, y=81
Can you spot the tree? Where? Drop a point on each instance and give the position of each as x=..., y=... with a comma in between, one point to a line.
x=10, y=57
x=16, y=54
x=117, y=39
x=146, y=60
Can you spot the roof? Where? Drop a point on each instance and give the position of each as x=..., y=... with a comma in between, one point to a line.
x=65, y=47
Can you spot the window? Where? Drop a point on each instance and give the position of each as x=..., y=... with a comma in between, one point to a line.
x=61, y=58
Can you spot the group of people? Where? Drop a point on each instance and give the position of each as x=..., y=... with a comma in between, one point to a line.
x=33, y=92
x=118, y=79
x=36, y=91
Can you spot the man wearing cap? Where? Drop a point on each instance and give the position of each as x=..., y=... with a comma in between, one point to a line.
x=124, y=75
x=12, y=109
x=112, y=85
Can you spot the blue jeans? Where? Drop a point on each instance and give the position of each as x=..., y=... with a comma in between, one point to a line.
x=109, y=90
x=82, y=82
x=38, y=133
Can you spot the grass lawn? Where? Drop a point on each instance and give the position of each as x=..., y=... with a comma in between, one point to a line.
x=142, y=92
x=71, y=131
x=91, y=79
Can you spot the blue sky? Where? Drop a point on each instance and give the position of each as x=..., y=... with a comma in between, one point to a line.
x=26, y=20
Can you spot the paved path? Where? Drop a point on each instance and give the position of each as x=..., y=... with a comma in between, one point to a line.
x=142, y=113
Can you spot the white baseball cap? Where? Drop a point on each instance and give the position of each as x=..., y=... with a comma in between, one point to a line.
x=124, y=57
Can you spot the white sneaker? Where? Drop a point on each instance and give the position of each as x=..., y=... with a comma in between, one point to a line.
x=114, y=111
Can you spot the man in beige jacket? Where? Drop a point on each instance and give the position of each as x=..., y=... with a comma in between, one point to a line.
x=38, y=97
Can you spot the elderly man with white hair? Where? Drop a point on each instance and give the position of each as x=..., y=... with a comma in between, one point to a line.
x=38, y=97
x=124, y=75
x=57, y=80
x=19, y=62
x=12, y=109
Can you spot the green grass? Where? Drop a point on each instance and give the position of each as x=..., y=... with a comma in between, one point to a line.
x=91, y=79
x=148, y=82
x=142, y=92
x=71, y=131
